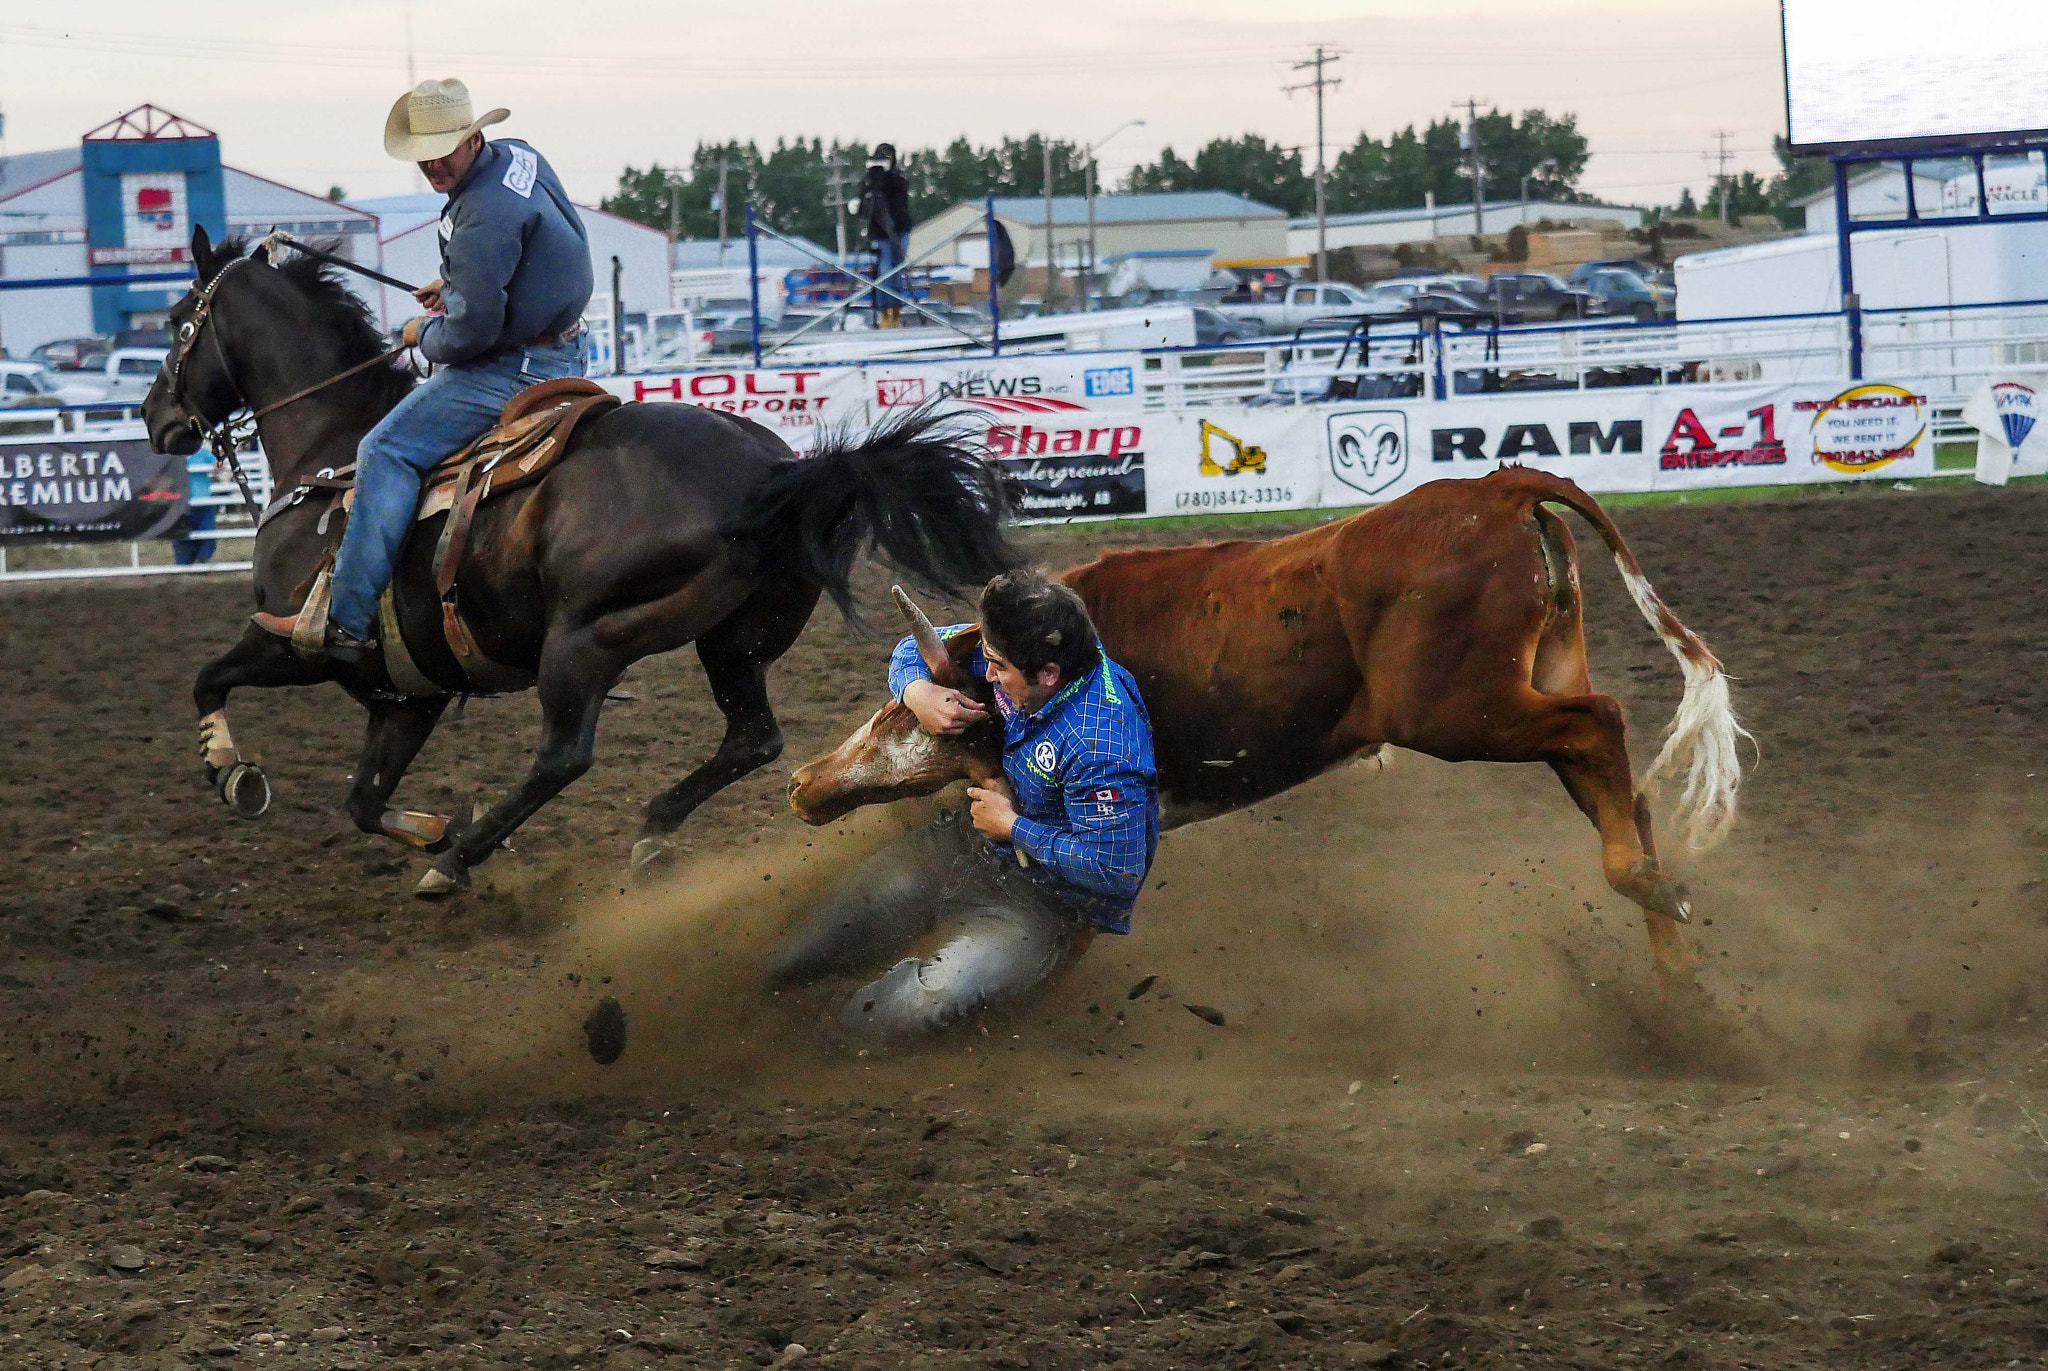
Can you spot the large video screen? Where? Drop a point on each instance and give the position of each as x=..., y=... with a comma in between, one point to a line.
x=1910, y=73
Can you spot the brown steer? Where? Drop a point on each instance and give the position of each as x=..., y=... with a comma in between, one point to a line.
x=1447, y=622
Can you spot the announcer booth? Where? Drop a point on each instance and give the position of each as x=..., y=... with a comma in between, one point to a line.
x=1957, y=97
x=148, y=177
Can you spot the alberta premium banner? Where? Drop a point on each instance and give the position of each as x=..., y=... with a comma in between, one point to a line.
x=78, y=488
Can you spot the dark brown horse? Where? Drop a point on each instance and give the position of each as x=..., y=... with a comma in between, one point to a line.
x=666, y=524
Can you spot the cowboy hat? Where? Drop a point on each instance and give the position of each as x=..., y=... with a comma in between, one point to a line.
x=432, y=120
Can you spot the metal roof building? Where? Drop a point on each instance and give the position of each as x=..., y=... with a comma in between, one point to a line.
x=1228, y=224
x=1385, y=227
x=124, y=202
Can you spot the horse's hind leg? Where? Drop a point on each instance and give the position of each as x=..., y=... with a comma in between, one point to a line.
x=256, y=659
x=735, y=655
x=398, y=729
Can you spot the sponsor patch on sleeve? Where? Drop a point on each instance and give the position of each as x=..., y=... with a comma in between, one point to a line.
x=520, y=176
x=1106, y=795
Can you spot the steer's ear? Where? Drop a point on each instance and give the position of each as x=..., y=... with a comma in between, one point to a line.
x=936, y=659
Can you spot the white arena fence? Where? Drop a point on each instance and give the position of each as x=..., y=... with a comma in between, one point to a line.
x=1318, y=420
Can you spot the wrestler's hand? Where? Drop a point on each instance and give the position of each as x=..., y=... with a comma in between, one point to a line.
x=942, y=710
x=994, y=810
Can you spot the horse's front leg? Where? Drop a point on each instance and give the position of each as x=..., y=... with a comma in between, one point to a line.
x=398, y=730
x=574, y=676
x=257, y=659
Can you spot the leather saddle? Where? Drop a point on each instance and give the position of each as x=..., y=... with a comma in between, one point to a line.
x=532, y=434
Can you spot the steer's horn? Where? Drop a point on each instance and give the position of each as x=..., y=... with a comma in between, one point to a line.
x=928, y=645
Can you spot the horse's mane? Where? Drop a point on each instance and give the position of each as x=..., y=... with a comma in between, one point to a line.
x=342, y=312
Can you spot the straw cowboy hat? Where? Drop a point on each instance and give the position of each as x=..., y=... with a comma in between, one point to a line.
x=432, y=120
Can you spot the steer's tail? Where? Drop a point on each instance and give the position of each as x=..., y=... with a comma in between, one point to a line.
x=917, y=489
x=1703, y=734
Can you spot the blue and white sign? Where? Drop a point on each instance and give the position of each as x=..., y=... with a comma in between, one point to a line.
x=1108, y=381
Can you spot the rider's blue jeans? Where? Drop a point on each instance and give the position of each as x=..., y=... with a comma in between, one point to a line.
x=453, y=406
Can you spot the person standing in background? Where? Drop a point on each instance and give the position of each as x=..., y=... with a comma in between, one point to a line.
x=884, y=212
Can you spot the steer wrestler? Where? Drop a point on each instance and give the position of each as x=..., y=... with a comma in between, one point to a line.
x=1081, y=807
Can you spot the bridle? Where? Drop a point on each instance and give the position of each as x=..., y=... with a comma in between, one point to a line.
x=226, y=437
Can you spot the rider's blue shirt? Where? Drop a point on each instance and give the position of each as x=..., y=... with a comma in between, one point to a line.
x=1087, y=789
x=515, y=259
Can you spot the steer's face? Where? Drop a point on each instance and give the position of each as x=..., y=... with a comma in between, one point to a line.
x=891, y=757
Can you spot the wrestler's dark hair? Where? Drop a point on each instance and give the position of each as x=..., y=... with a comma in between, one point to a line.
x=1035, y=621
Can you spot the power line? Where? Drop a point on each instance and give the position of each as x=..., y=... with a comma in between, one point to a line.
x=1319, y=85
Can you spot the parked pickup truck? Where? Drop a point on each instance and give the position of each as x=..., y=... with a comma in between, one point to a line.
x=122, y=377
x=1285, y=310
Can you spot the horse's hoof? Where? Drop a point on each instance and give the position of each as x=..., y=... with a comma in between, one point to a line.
x=604, y=1032
x=439, y=885
x=650, y=855
x=245, y=789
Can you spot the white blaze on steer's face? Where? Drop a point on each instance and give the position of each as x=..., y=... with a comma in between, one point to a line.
x=888, y=758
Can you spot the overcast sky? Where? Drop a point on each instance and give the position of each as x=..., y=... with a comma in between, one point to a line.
x=298, y=91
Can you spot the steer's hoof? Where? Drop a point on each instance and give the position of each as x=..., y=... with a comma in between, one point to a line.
x=650, y=855
x=245, y=789
x=439, y=884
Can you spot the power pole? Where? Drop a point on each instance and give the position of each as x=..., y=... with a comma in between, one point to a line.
x=1051, y=255
x=1721, y=171
x=1323, y=57
x=836, y=198
x=1478, y=176
x=675, y=207
x=723, y=167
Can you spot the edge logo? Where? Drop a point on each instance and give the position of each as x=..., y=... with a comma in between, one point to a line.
x=1369, y=448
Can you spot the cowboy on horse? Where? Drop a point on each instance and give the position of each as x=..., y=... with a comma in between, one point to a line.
x=504, y=315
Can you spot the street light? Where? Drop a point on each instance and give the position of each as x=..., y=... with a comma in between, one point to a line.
x=1088, y=157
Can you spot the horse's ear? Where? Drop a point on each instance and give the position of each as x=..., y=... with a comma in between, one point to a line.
x=202, y=252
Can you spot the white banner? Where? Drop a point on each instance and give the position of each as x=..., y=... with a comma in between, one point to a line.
x=1048, y=383
x=797, y=403
x=2007, y=411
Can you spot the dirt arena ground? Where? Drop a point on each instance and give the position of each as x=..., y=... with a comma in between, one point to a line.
x=262, y=1108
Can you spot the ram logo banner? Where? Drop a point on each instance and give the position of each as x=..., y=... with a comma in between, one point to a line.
x=1369, y=449
x=1865, y=427
x=2016, y=407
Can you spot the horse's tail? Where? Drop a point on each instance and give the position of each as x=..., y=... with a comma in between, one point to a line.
x=916, y=489
x=1704, y=732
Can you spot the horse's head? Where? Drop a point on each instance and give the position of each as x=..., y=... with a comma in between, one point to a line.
x=193, y=389
x=891, y=757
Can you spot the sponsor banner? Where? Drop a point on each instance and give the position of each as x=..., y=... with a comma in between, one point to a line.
x=1630, y=438
x=1076, y=465
x=799, y=404
x=1042, y=384
x=73, y=488
x=2007, y=412
x=1380, y=450
x=1234, y=459
x=1781, y=434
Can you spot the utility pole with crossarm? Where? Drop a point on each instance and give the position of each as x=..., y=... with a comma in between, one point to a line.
x=1324, y=57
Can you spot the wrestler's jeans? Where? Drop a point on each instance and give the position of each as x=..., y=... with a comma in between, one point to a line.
x=1006, y=934
x=454, y=405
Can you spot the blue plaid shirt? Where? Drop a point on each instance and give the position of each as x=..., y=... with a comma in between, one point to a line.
x=1087, y=790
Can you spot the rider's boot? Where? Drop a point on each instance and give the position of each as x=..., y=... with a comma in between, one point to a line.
x=339, y=645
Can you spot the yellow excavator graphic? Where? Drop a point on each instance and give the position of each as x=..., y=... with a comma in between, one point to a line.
x=1245, y=457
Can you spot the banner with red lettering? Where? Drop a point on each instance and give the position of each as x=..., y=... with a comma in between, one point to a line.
x=798, y=403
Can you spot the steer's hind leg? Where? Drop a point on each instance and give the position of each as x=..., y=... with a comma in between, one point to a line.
x=398, y=729
x=1585, y=742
